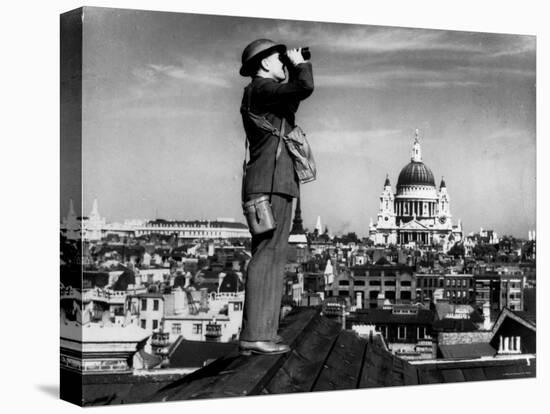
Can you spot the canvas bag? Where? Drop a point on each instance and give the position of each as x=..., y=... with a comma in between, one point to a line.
x=297, y=145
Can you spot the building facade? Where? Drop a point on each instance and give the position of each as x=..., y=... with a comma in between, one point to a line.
x=417, y=213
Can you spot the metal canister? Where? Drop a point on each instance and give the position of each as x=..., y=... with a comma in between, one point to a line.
x=259, y=215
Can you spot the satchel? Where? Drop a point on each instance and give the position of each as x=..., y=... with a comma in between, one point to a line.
x=297, y=145
x=301, y=154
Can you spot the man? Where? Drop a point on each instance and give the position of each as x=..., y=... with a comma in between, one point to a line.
x=270, y=171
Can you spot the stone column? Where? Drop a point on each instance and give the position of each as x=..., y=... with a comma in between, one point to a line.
x=500, y=344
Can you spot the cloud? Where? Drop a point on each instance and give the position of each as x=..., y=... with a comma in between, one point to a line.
x=159, y=113
x=376, y=39
x=399, y=77
x=356, y=142
x=170, y=70
x=188, y=72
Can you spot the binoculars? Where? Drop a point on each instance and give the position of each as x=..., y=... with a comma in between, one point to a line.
x=306, y=54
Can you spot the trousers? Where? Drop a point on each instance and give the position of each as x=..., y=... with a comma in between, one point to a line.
x=265, y=275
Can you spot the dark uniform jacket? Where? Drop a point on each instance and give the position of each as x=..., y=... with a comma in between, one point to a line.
x=275, y=101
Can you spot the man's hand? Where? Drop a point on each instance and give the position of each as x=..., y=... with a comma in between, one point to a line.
x=295, y=56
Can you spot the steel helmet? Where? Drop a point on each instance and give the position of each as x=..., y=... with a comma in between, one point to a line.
x=256, y=51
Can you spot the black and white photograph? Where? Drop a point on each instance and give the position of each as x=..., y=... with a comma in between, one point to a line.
x=256, y=209
x=381, y=230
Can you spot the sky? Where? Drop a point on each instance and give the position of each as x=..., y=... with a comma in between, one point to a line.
x=163, y=137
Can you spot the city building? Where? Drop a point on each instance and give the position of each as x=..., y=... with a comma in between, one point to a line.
x=216, y=317
x=417, y=213
x=452, y=287
x=88, y=228
x=372, y=283
x=513, y=335
x=500, y=289
x=94, y=227
x=147, y=309
x=185, y=229
x=407, y=329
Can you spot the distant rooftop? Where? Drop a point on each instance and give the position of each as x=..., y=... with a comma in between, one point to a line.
x=199, y=223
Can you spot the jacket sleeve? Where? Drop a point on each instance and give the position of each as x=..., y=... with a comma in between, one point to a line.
x=298, y=87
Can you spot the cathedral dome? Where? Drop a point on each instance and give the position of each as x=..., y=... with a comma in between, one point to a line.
x=416, y=173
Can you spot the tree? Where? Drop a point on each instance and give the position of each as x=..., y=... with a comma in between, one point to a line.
x=457, y=250
x=481, y=250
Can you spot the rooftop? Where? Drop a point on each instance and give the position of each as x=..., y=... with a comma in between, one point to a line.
x=323, y=357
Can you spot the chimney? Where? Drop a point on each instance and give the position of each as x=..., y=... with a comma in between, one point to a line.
x=180, y=301
x=380, y=300
x=221, y=277
x=187, y=279
x=204, y=299
x=210, y=249
x=487, y=316
x=359, y=300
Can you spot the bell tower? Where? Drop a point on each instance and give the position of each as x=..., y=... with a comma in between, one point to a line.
x=386, y=212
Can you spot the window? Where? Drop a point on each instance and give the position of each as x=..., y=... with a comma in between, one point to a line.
x=343, y=293
x=343, y=283
x=359, y=283
x=156, y=305
x=143, y=324
x=464, y=282
x=197, y=328
x=509, y=344
x=176, y=328
x=155, y=324
x=453, y=283
x=144, y=304
x=406, y=283
x=389, y=283
x=421, y=332
x=374, y=283
x=237, y=306
x=401, y=332
x=448, y=282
